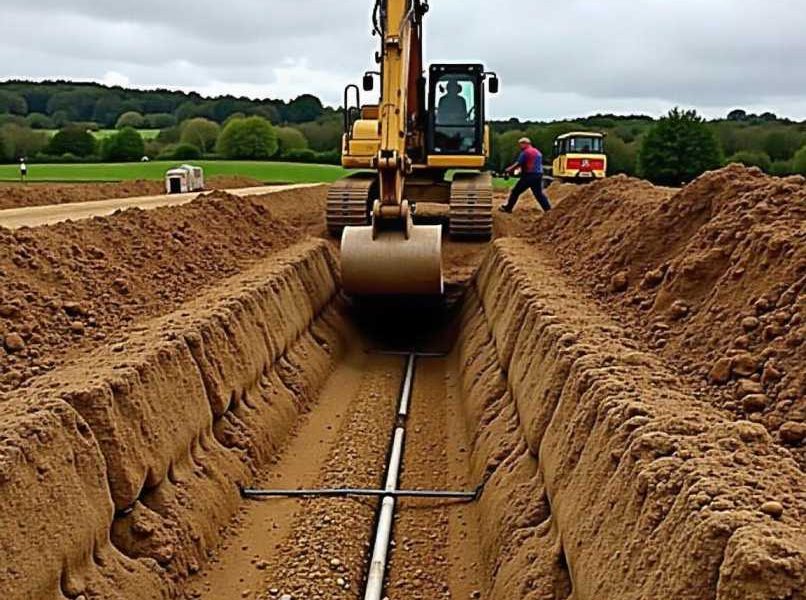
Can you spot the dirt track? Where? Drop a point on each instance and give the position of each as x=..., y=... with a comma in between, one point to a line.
x=36, y=216
x=612, y=467
x=16, y=195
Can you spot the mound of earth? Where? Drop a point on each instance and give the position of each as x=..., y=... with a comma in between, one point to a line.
x=713, y=276
x=66, y=286
x=44, y=194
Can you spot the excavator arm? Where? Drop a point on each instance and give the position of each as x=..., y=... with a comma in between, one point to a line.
x=405, y=147
x=399, y=23
x=393, y=256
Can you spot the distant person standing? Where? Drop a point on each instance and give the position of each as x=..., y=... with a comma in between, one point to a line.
x=23, y=170
x=530, y=162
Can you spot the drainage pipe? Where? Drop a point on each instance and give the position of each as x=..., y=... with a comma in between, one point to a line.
x=383, y=532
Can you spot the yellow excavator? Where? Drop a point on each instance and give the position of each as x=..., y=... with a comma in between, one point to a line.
x=425, y=143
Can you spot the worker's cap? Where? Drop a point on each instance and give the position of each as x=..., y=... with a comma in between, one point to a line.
x=524, y=140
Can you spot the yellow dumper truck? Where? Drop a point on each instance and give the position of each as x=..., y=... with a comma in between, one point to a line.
x=579, y=157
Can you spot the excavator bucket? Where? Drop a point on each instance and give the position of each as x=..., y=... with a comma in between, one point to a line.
x=390, y=264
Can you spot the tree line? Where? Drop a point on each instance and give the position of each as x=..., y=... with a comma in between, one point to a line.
x=192, y=126
x=189, y=124
x=674, y=149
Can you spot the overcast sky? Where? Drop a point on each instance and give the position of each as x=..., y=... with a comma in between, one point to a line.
x=556, y=59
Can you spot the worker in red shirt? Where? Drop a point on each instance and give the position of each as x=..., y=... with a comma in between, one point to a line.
x=530, y=162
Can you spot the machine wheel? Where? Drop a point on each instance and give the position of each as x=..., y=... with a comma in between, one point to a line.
x=348, y=202
x=471, y=213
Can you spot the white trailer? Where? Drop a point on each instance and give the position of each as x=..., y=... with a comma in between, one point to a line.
x=186, y=178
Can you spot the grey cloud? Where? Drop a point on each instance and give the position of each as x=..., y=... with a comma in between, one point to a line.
x=555, y=59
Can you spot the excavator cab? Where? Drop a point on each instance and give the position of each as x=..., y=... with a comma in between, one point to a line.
x=456, y=110
x=424, y=145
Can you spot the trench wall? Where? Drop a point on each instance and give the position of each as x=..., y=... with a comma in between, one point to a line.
x=606, y=477
x=119, y=471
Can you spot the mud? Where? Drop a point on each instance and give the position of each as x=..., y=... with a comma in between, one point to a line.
x=15, y=195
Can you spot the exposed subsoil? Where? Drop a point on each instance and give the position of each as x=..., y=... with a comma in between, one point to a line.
x=625, y=380
x=713, y=278
x=18, y=195
x=71, y=286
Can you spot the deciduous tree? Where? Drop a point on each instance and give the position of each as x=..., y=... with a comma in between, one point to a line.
x=679, y=148
x=252, y=138
x=72, y=140
x=125, y=146
x=201, y=133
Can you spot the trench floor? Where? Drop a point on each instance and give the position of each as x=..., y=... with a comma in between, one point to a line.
x=318, y=548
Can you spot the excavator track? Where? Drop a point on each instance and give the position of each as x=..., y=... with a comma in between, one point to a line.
x=471, y=214
x=348, y=202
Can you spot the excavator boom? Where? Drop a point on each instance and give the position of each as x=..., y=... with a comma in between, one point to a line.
x=384, y=253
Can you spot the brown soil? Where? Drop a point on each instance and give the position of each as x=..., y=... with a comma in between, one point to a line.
x=15, y=195
x=713, y=277
x=156, y=362
x=164, y=426
x=73, y=285
x=607, y=475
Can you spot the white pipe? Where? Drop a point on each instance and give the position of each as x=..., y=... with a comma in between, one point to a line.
x=405, y=395
x=383, y=534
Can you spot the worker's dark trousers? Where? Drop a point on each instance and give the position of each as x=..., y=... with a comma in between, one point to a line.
x=529, y=182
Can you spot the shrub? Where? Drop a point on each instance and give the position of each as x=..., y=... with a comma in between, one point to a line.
x=127, y=145
x=153, y=148
x=781, y=168
x=621, y=157
x=333, y=157
x=186, y=152
x=252, y=138
x=72, y=140
x=131, y=119
x=169, y=135
x=310, y=156
x=799, y=162
x=678, y=149
x=160, y=121
x=21, y=142
x=291, y=139
x=303, y=155
x=39, y=121
x=752, y=159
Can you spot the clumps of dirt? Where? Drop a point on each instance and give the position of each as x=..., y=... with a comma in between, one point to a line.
x=119, y=470
x=44, y=194
x=70, y=286
x=607, y=477
x=712, y=276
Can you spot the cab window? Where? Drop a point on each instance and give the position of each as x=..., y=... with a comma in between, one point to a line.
x=585, y=145
x=455, y=122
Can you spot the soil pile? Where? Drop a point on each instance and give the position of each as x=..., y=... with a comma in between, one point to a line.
x=605, y=476
x=713, y=275
x=77, y=284
x=44, y=194
x=160, y=430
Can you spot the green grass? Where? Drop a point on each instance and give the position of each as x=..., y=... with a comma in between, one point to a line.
x=500, y=183
x=268, y=172
x=148, y=134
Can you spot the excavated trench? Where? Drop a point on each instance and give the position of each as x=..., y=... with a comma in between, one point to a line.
x=603, y=477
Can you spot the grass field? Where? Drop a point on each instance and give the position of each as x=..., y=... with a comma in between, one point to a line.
x=147, y=134
x=269, y=172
